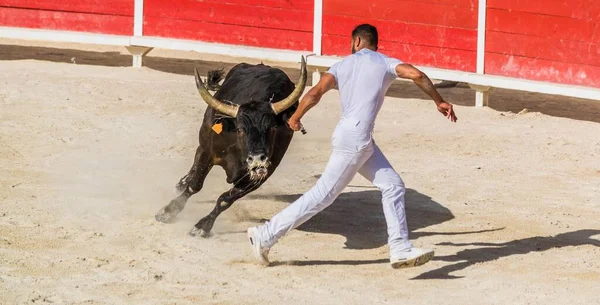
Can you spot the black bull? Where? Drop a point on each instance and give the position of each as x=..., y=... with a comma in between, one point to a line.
x=252, y=106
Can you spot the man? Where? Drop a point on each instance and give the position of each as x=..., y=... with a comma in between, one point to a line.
x=362, y=78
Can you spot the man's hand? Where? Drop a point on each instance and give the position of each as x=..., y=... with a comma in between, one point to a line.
x=294, y=124
x=310, y=99
x=446, y=109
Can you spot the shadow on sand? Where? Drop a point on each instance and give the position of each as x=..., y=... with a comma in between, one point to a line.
x=358, y=216
x=493, y=251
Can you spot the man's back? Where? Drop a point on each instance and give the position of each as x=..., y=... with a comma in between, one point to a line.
x=363, y=78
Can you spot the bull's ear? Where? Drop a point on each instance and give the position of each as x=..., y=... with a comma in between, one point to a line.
x=213, y=78
x=287, y=114
x=230, y=110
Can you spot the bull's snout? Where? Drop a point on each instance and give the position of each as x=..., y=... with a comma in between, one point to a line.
x=257, y=166
x=256, y=159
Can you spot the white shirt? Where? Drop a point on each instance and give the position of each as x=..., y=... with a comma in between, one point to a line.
x=363, y=79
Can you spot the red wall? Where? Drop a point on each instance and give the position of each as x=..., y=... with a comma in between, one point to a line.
x=435, y=33
x=260, y=23
x=547, y=40
x=95, y=16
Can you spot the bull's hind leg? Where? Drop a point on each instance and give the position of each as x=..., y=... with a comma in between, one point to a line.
x=203, y=227
x=189, y=185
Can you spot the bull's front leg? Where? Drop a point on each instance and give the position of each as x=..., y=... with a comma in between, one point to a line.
x=189, y=185
x=200, y=160
x=226, y=200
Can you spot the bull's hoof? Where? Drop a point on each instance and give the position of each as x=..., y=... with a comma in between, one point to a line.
x=164, y=216
x=195, y=232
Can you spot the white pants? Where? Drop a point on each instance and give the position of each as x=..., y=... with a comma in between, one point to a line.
x=353, y=151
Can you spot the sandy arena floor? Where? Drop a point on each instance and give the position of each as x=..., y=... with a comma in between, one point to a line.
x=88, y=154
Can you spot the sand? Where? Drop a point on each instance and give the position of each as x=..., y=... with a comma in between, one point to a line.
x=88, y=153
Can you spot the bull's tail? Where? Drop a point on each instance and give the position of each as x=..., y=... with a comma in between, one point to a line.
x=213, y=78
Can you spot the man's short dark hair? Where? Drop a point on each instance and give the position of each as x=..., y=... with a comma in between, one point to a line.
x=366, y=32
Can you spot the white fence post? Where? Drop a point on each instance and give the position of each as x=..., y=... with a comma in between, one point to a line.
x=482, y=93
x=138, y=18
x=138, y=52
x=318, y=27
x=317, y=36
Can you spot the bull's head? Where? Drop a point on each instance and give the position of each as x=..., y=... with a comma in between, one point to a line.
x=256, y=124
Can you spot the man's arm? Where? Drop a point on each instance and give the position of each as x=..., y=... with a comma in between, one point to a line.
x=310, y=99
x=422, y=81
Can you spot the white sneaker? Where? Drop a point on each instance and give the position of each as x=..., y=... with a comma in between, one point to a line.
x=261, y=253
x=411, y=258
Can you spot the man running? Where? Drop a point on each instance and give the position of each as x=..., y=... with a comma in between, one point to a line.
x=363, y=79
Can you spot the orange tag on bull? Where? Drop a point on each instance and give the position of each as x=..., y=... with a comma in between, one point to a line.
x=218, y=128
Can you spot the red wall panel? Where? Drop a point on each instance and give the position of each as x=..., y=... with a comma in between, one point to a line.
x=532, y=24
x=453, y=3
x=227, y=33
x=303, y=5
x=264, y=23
x=543, y=70
x=398, y=31
x=445, y=36
x=94, y=16
x=67, y=21
x=553, y=40
x=568, y=51
x=433, y=56
x=105, y=7
x=424, y=12
x=577, y=9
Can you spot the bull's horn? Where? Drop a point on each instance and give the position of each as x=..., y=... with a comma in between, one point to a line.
x=287, y=102
x=230, y=110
